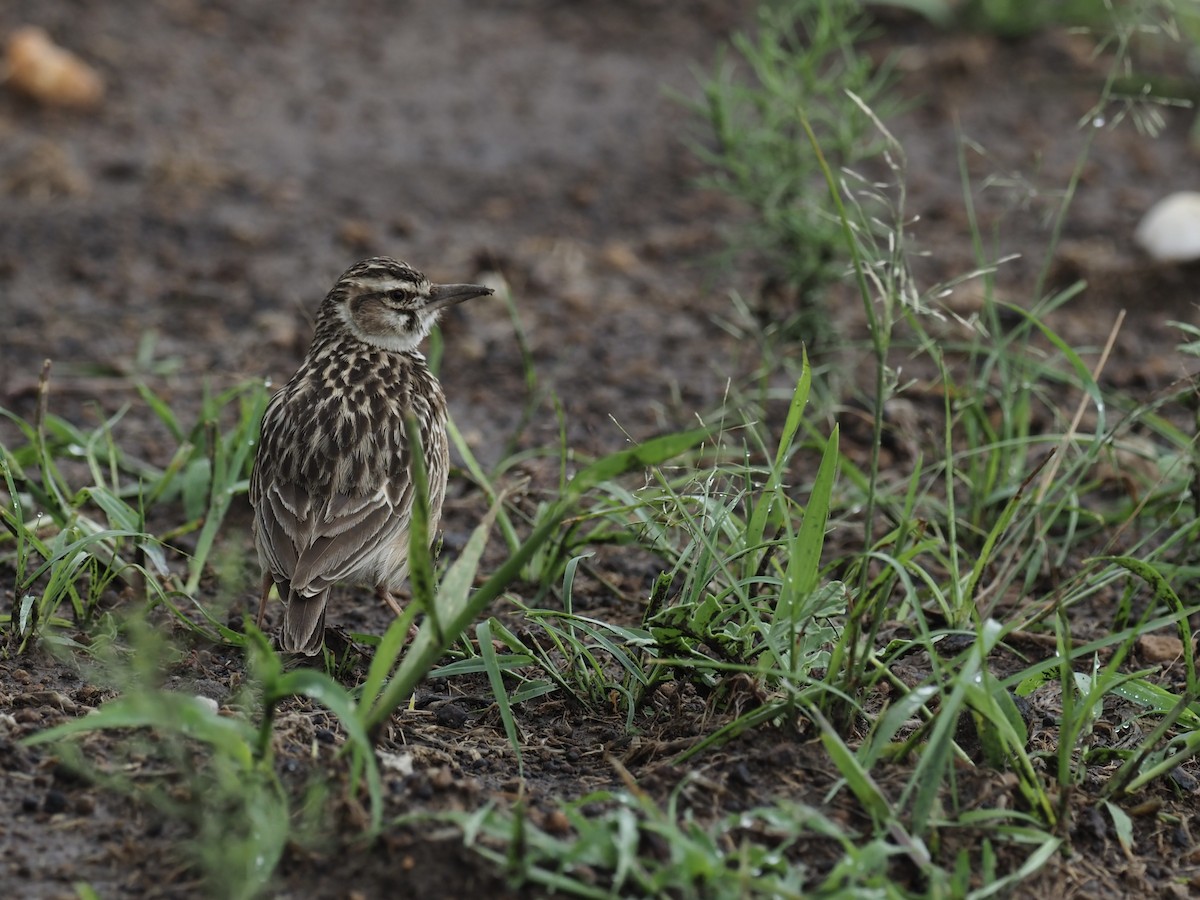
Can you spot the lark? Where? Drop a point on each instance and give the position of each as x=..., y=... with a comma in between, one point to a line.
x=331, y=487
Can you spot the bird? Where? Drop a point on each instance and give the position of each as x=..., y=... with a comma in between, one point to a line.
x=331, y=486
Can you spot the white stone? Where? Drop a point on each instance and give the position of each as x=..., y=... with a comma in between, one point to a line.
x=1170, y=231
x=400, y=763
x=207, y=703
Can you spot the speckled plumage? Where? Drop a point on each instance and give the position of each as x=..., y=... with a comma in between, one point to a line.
x=330, y=488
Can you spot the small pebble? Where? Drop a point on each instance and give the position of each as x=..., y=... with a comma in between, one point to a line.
x=1159, y=648
x=325, y=736
x=208, y=703
x=400, y=763
x=55, y=802
x=450, y=715
x=557, y=823
x=1170, y=231
x=48, y=73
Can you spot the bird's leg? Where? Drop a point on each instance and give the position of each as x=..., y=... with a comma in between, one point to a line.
x=262, y=603
x=386, y=596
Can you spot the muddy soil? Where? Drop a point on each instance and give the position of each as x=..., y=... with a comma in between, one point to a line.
x=245, y=154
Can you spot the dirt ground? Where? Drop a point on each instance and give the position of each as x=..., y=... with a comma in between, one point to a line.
x=246, y=153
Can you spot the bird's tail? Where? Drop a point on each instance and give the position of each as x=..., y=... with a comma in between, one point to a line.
x=303, y=623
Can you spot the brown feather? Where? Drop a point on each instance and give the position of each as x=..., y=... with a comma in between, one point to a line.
x=303, y=623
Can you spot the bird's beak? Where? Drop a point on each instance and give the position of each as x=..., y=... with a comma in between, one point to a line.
x=443, y=295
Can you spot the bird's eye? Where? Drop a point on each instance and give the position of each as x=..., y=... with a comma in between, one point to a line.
x=398, y=295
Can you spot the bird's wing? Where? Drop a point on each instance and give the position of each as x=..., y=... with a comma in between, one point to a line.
x=320, y=541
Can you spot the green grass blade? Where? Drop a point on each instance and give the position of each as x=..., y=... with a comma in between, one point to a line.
x=487, y=651
x=425, y=650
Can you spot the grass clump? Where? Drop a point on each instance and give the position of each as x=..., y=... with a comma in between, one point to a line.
x=68, y=545
x=802, y=59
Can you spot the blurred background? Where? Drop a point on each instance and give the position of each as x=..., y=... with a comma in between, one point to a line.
x=187, y=213
x=242, y=155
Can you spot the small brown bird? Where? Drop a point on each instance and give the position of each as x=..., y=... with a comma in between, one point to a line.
x=331, y=488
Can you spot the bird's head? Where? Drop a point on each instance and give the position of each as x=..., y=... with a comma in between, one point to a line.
x=389, y=304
